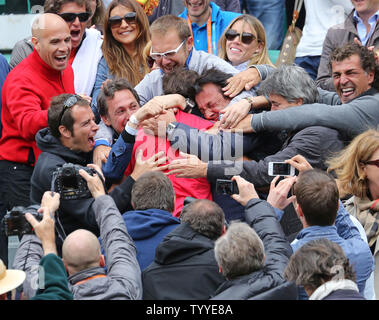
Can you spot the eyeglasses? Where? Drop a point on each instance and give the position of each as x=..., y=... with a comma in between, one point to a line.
x=245, y=37
x=373, y=162
x=150, y=61
x=116, y=21
x=168, y=54
x=70, y=16
x=69, y=103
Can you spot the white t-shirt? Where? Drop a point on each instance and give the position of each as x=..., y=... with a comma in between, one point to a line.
x=320, y=15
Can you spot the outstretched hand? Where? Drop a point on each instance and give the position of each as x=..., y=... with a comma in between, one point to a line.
x=189, y=166
x=246, y=191
x=152, y=164
x=44, y=229
x=243, y=80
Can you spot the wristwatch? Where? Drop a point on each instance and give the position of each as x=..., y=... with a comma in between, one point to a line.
x=190, y=104
x=170, y=128
x=250, y=100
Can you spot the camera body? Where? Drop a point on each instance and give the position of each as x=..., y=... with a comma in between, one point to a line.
x=15, y=223
x=70, y=184
x=226, y=187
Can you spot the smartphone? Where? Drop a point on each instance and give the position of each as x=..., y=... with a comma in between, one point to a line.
x=280, y=169
x=226, y=187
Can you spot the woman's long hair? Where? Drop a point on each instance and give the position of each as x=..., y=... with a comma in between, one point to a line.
x=348, y=164
x=260, y=58
x=119, y=62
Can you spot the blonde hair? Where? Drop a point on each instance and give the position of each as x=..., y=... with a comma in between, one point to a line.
x=348, y=164
x=119, y=62
x=260, y=58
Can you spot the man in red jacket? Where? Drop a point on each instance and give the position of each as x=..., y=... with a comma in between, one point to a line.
x=26, y=96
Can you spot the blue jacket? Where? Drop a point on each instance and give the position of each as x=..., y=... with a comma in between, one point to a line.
x=220, y=20
x=346, y=234
x=148, y=228
x=119, y=156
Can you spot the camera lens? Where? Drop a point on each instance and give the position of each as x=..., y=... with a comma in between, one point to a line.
x=67, y=172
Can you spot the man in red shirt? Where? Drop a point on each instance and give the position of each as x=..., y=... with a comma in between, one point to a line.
x=26, y=96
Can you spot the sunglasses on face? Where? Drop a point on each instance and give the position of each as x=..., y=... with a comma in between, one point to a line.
x=116, y=21
x=373, y=162
x=70, y=16
x=245, y=37
x=168, y=54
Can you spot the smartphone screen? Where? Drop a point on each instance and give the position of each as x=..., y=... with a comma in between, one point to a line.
x=281, y=169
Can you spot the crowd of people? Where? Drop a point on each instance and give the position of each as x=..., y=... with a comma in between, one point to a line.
x=138, y=137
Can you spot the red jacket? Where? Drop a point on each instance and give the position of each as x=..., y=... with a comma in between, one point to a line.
x=183, y=187
x=26, y=96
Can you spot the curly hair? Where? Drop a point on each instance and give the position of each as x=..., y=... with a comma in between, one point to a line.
x=54, y=6
x=367, y=57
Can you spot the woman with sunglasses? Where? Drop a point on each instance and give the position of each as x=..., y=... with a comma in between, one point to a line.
x=126, y=33
x=357, y=170
x=243, y=43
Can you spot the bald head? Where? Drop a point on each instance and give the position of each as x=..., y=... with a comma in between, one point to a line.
x=52, y=40
x=46, y=22
x=80, y=251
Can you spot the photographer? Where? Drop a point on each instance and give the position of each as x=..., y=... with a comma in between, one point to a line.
x=81, y=253
x=70, y=139
x=37, y=255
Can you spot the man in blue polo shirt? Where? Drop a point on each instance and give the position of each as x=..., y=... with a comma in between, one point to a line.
x=207, y=23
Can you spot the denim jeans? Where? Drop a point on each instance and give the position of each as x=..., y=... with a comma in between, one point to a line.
x=271, y=13
x=309, y=64
x=14, y=191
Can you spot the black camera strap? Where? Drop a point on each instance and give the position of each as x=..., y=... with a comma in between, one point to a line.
x=61, y=233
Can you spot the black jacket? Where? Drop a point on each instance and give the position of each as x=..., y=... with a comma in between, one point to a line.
x=184, y=268
x=73, y=214
x=267, y=283
x=314, y=143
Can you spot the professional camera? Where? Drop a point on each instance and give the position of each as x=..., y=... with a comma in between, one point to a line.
x=69, y=183
x=15, y=223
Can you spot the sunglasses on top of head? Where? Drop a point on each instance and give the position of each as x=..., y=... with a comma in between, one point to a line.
x=70, y=16
x=116, y=21
x=245, y=37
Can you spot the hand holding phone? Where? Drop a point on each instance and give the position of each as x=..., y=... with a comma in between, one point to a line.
x=226, y=187
x=280, y=169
